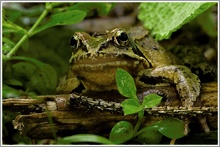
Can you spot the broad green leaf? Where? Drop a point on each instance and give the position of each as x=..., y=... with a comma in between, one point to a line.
x=149, y=137
x=171, y=127
x=23, y=70
x=63, y=18
x=125, y=84
x=121, y=132
x=41, y=77
x=131, y=106
x=41, y=81
x=151, y=100
x=164, y=18
x=82, y=138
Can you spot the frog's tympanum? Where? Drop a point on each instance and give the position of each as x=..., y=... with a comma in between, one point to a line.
x=96, y=58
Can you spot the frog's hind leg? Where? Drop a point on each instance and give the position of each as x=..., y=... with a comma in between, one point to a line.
x=187, y=84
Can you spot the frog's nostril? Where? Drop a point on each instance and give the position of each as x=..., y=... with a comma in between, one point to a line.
x=154, y=47
x=104, y=45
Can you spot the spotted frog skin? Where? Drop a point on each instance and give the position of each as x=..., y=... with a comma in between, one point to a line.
x=96, y=57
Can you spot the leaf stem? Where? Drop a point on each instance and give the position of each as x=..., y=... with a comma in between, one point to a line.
x=140, y=118
x=28, y=34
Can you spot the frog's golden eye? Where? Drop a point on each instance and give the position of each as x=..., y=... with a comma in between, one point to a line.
x=74, y=42
x=121, y=38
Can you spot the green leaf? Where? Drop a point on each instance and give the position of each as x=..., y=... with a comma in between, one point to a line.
x=9, y=26
x=151, y=100
x=82, y=138
x=102, y=8
x=149, y=137
x=63, y=18
x=171, y=127
x=164, y=18
x=7, y=45
x=121, y=132
x=22, y=70
x=131, y=106
x=41, y=81
x=125, y=83
x=42, y=77
x=8, y=91
x=13, y=82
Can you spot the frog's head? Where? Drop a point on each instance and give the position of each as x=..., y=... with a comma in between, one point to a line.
x=96, y=57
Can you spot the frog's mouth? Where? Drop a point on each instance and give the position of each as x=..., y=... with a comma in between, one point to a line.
x=100, y=63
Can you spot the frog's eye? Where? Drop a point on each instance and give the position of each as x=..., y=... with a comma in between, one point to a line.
x=121, y=38
x=74, y=41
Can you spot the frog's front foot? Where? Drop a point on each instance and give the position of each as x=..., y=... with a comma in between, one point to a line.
x=67, y=85
x=187, y=84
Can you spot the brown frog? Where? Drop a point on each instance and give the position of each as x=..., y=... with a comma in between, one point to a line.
x=96, y=58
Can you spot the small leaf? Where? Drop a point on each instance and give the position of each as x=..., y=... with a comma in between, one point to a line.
x=9, y=92
x=82, y=138
x=121, y=132
x=171, y=127
x=7, y=45
x=151, y=100
x=131, y=106
x=125, y=83
x=150, y=137
x=13, y=82
x=63, y=18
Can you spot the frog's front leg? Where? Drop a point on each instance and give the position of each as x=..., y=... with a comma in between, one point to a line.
x=68, y=83
x=187, y=84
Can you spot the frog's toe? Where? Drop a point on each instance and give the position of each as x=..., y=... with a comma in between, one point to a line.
x=67, y=86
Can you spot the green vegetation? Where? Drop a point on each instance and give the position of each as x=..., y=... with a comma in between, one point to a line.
x=16, y=34
x=124, y=131
x=30, y=74
x=26, y=74
x=165, y=18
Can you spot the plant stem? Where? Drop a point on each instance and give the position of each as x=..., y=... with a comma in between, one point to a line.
x=28, y=34
x=140, y=118
x=52, y=126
